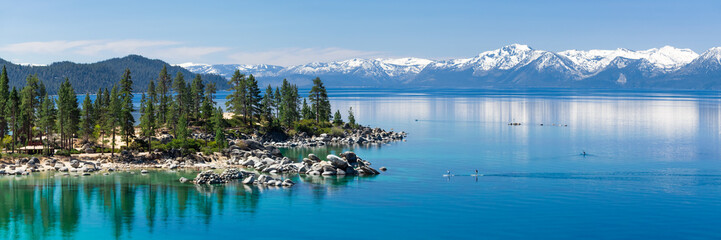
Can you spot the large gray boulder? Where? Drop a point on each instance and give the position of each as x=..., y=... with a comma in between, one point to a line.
x=337, y=161
x=350, y=156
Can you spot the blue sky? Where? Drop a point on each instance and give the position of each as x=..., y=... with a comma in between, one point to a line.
x=296, y=32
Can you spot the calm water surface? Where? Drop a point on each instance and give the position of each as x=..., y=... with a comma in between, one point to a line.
x=653, y=170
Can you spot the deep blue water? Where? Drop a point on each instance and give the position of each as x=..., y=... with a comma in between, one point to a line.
x=652, y=171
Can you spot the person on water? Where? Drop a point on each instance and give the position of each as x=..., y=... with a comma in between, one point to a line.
x=476, y=172
x=584, y=153
x=448, y=172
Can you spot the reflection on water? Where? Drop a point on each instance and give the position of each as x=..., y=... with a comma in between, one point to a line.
x=653, y=171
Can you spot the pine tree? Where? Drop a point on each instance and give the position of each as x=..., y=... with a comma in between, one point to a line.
x=4, y=99
x=12, y=110
x=197, y=91
x=267, y=105
x=277, y=99
x=337, y=119
x=237, y=99
x=147, y=120
x=68, y=114
x=88, y=121
x=164, y=83
x=126, y=117
x=289, y=103
x=182, y=129
x=319, y=100
x=217, y=123
x=28, y=104
x=180, y=95
x=351, y=117
x=115, y=109
x=306, y=112
x=47, y=121
x=253, y=100
x=208, y=105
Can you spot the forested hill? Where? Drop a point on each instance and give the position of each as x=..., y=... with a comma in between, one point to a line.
x=87, y=78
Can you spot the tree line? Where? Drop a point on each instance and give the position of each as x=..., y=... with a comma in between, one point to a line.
x=170, y=104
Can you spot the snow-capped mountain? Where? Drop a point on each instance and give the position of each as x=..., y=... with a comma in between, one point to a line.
x=666, y=58
x=515, y=65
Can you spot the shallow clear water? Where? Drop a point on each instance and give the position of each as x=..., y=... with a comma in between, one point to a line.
x=653, y=170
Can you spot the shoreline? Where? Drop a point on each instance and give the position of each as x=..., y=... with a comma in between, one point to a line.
x=248, y=160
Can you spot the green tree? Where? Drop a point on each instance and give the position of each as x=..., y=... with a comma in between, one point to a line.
x=47, y=121
x=267, y=105
x=197, y=91
x=319, y=101
x=237, y=99
x=306, y=112
x=182, y=129
x=351, y=117
x=147, y=120
x=208, y=105
x=68, y=114
x=4, y=99
x=253, y=101
x=114, y=113
x=28, y=104
x=87, y=118
x=164, y=83
x=127, y=120
x=337, y=119
x=12, y=110
x=289, y=104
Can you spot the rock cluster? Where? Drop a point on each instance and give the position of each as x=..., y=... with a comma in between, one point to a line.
x=25, y=166
x=357, y=136
x=233, y=174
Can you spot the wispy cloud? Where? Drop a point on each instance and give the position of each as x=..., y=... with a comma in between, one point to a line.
x=294, y=56
x=102, y=49
x=171, y=51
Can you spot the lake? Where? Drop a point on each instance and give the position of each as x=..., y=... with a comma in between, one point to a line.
x=652, y=170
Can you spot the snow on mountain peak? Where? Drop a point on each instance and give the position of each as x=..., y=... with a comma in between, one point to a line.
x=713, y=53
x=665, y=58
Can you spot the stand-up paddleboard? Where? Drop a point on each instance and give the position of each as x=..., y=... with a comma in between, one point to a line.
x=448, y=175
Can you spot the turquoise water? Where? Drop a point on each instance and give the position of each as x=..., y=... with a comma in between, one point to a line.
x=652, y=171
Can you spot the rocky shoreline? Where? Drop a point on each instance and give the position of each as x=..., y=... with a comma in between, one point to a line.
x=247, y=160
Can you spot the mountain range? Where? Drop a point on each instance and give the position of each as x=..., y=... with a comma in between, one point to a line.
x=512, y=66
x=88, y=77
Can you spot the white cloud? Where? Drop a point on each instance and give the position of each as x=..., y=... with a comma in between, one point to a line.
x=95, y=50
x=171, y=51
x=294, y=56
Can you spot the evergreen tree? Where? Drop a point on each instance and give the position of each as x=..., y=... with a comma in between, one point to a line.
x=180, y=96
x=277, y=100
x=319, y=100
x=47, y=121
x=182, y=129
x=164, y=83
x=68, y=114
x=267, y=105
x=253, y=100
x=220, y=138
x=306, y=112
x=115, y=110
x=197, y=91
x=217, y=123
x=127, y=120
x=337, y=119
x=12, y=110
x=351, y=117
x=4, y=99
x=237, y=99
x=289, y=103
x=208, y=105
x=88, y=121
x=147, y=120
x=28, y=104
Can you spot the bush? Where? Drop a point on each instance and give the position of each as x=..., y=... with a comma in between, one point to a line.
x=336, y=132
x=311, y=127
x=66, y=152
x=188, y=146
